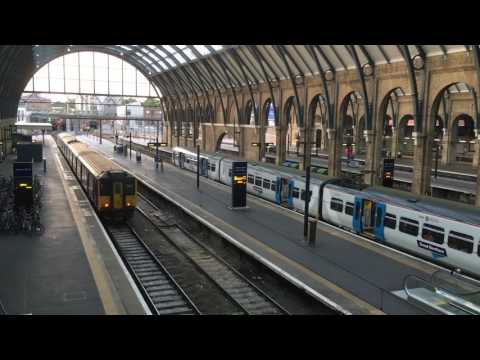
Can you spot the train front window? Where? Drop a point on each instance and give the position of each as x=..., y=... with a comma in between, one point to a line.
x=118, y=188
x=130, y=187
x=105, y=188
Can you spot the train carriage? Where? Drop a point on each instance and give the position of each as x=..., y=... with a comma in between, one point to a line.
x=111, y=190
x=435, y=229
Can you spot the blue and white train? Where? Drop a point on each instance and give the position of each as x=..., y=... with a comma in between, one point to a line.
x=440, y=230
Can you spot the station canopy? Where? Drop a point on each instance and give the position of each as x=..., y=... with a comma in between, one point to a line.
x=185, y=70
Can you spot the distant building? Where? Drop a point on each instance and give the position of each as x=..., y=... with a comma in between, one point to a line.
x=34, y=102
x=108, y=107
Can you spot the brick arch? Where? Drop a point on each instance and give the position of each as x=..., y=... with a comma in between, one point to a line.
x=289, y=111
x=264, y=115
x=247, y=113
x=344, y=106
x=435, y=107
x=232, y=115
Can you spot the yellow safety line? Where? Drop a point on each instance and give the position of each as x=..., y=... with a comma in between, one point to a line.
x=100, y=274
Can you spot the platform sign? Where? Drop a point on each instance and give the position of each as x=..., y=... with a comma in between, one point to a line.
x=22, y=169
x=388, y=171
x=23, y=180
x=239, y=184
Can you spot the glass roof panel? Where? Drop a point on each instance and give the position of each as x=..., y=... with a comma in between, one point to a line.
x=166, y=57
x=202, y=49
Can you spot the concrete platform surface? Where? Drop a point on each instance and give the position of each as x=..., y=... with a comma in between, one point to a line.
x=71, y=268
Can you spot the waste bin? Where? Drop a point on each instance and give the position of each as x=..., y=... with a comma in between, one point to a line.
x=139, y=156
x=312, y=231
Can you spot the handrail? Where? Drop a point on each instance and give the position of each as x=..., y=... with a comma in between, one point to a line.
x=451, y=299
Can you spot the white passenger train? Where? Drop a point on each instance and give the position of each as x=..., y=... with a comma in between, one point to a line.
x=437, y=229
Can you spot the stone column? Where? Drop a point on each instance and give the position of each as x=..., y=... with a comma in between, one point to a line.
x=395, y=141
x=448, y=148
x=372, y=153
x=477, y=149
x=305, y=161
x=334, y=153
x=421, y=165
x=281, y=145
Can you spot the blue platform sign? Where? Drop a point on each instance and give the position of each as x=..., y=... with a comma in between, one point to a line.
x=22, y=170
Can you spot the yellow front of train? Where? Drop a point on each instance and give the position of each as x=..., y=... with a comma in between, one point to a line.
x=117, y=195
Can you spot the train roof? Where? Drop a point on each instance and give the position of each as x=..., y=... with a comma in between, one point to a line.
x=272, y=168
x=67, y=137
x=98, y=164
x=435, y=206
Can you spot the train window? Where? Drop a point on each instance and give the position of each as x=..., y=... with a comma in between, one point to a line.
x=336, y=204
x=251, y=179
x=212, y=167
x=433, y=233
x=266, y=184
x=296, y=193
x=105, y=188
x=408, y=226
x=258, y=181
x=274, y=186
x=349, y=208
x=130, y=187
x=461, y=242
x=390, y=221
x=302, y=196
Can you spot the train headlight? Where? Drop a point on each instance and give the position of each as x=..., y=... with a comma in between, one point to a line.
x=128, y=204
x=106, y=205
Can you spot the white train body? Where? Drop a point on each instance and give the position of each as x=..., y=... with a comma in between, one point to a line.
x=444, y=232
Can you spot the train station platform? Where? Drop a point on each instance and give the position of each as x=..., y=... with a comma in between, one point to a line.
x=345, y=271
x=72, y=268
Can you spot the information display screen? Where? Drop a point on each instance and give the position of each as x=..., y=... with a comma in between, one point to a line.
x=239, y=184
x=388, y=171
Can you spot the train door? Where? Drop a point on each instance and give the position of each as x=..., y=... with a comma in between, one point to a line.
x=379, y=217
x=368, y=218
x=117, y=195
x=357, y=215
x=203, y=167
x=284, y=192
x=181, y=160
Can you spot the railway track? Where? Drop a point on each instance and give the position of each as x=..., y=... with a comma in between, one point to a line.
x=164, y=295
x=250, y=299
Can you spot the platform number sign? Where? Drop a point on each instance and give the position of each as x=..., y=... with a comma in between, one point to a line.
x=388, y=170
x=239, y=184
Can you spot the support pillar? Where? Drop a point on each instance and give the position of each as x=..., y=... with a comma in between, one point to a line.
x=374, y=149
x=281, y=146
x=334, y=153
x=421, y=165
x=477, y=193
x=448, y=149
x=477, y=152
x=395, y=141
x=304, y=161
